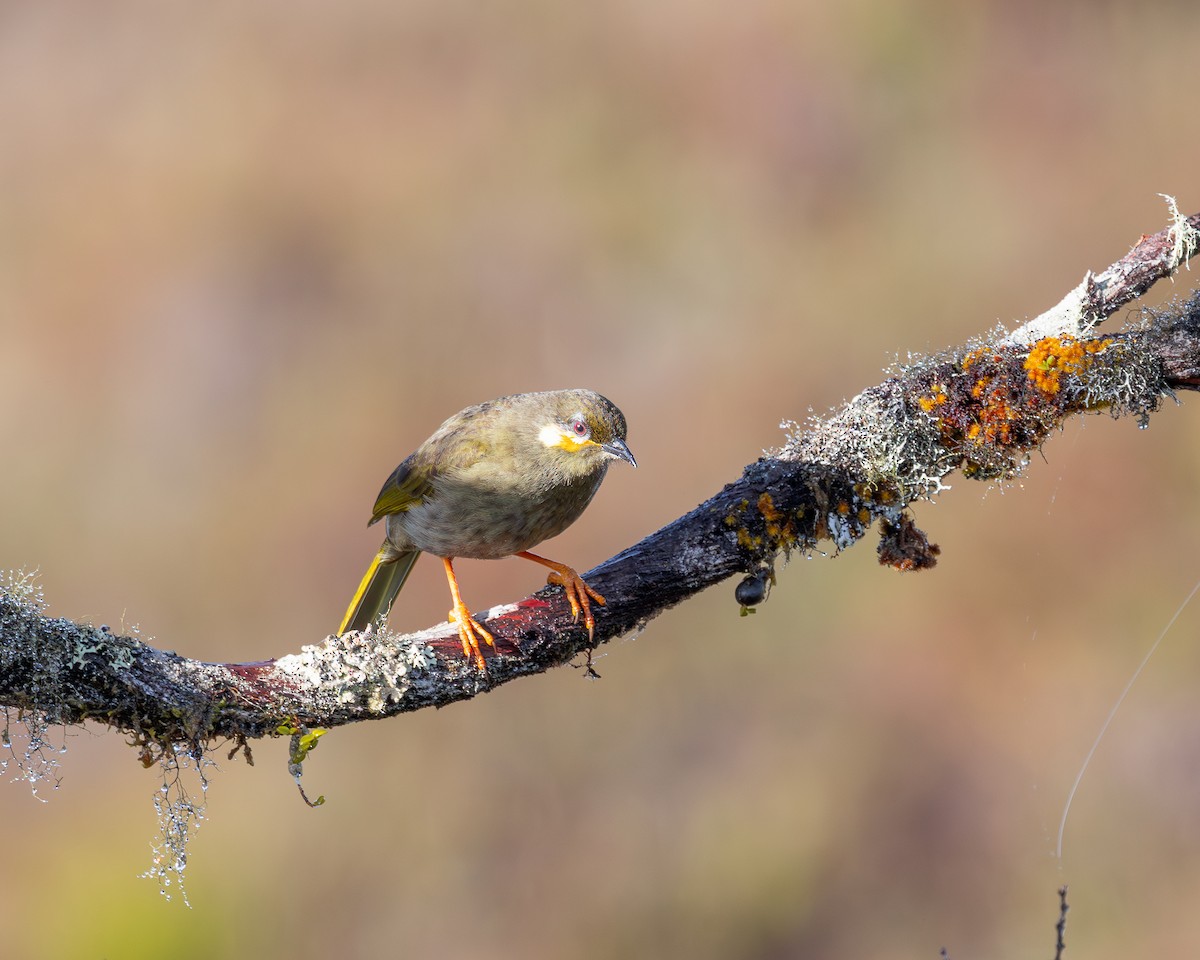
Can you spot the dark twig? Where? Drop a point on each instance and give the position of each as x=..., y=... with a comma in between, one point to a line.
x=1060, y=928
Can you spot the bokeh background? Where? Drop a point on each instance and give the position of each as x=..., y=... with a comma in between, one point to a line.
x=251, y=255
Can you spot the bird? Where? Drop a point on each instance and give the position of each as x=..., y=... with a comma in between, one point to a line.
x=493, y=481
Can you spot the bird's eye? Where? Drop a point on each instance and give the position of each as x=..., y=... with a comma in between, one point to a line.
x=579, y=427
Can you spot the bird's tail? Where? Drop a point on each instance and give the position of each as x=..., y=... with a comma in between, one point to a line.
x=380, y=584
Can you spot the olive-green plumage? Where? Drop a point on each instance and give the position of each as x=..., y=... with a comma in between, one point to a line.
x=493, y=481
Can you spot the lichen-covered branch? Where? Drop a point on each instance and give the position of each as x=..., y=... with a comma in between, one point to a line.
x=981, y=410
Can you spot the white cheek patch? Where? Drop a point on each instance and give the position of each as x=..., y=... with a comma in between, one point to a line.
x=552, y=435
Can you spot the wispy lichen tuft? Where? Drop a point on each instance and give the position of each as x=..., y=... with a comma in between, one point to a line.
x=180, y=814
x=28, y=751
x=25, y=746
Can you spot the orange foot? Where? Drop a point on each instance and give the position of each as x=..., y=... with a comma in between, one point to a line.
x=470, y=631
x=574, y=587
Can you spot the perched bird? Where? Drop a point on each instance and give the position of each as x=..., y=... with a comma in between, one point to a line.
x=493, y=481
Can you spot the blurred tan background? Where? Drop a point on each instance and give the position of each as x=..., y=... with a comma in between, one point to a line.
x=250, y=256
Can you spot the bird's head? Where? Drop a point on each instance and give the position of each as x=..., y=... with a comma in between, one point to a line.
x=581, y=430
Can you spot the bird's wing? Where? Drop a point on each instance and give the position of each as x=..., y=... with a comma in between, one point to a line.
x=405, y=488
x=452, y=450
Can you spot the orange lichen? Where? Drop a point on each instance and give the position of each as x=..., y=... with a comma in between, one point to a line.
x=766, y=506
x=1003, y=398
x=747, y=541
x=975, y=356
x=785, y=532
x=731, y=518
x=980, y=385
x=935, y=398
x=996, y=417
x=1051, y=357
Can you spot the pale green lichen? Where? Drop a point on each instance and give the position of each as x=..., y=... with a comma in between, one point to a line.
x=876, y=438
x=1184, y=238
x=373, y=667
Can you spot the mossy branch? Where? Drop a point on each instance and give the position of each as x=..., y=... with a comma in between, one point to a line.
x=981, y=409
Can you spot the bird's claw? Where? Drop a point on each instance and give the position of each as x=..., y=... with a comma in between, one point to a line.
x=578, y=592
x=470, y=632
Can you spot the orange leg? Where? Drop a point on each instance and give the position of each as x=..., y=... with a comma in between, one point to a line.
x=470, y=631
x=573, y=586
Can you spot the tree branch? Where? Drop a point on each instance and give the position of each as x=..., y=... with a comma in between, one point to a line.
x=981, y=409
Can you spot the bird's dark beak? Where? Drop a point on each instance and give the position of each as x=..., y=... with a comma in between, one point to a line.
x=619, y=449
